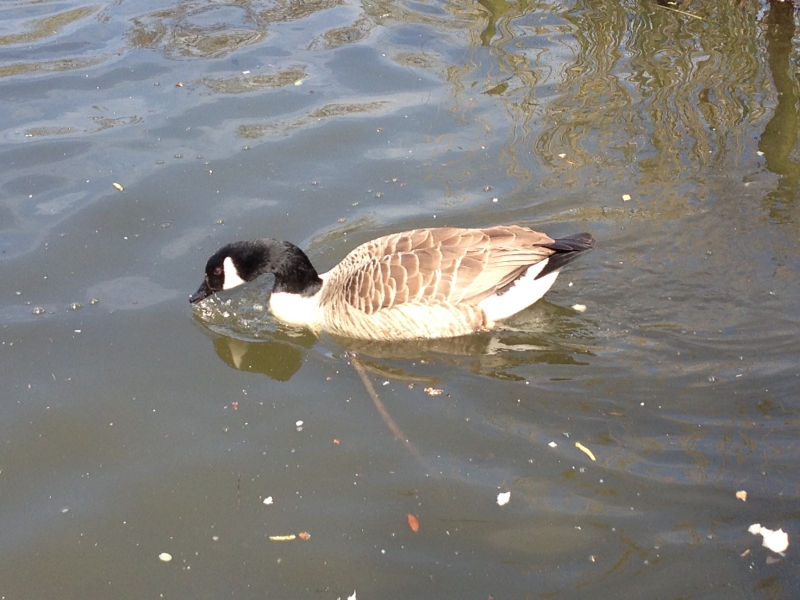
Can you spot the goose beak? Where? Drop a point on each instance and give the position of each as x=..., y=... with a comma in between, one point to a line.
x=202, y=292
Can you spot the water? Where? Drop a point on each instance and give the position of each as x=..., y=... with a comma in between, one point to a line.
x=131, y=426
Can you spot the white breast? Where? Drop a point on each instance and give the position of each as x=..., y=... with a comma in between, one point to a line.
x=296, y=310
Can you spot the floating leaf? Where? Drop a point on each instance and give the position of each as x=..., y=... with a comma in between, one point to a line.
x=413, y=523
x=585, y=450
x=118, y=186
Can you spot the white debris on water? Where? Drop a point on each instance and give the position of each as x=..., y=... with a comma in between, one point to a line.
x=777, y=541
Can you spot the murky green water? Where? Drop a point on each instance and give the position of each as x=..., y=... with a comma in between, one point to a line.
x=130, y=427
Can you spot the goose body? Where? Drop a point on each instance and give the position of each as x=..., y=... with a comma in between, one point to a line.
x=424, y=283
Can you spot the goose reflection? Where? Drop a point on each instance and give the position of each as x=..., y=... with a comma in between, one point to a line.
x=246, y=338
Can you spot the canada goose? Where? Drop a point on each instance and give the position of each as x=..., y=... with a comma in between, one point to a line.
x=424, y=283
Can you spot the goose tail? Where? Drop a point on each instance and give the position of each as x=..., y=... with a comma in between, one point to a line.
x=566, y=250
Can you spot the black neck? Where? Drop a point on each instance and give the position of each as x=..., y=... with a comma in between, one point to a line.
x=294, y=273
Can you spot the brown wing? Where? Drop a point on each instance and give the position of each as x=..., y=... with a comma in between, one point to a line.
x=437, y=266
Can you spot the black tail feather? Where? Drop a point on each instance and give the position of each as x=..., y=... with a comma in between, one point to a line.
x=566, y=250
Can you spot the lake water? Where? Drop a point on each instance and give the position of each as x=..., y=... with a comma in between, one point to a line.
x=139, y=136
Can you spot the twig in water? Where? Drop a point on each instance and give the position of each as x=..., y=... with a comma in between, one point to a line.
x=387, y=418
x=682, y=12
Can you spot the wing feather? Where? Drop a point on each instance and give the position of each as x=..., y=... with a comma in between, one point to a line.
x=437, y=266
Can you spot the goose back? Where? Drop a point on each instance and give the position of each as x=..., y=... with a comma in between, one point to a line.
x=426, y=282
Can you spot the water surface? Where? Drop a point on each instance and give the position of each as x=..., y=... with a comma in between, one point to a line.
x=131, y=427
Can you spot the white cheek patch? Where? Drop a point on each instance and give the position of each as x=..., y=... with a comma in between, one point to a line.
x=232, y=278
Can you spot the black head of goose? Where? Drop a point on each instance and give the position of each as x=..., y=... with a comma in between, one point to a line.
x=424, y=283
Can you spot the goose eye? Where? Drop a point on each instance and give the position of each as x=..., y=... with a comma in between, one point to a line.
x=218, y=271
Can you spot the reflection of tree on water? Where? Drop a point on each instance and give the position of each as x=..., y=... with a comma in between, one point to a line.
x=780, y=135
x=496, y=9
x=574, y=93
x=212, y=29
x=593, y=92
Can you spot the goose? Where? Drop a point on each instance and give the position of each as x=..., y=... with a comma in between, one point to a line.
x=418, y=284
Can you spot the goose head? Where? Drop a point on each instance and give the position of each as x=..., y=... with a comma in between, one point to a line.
x=240, y=262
